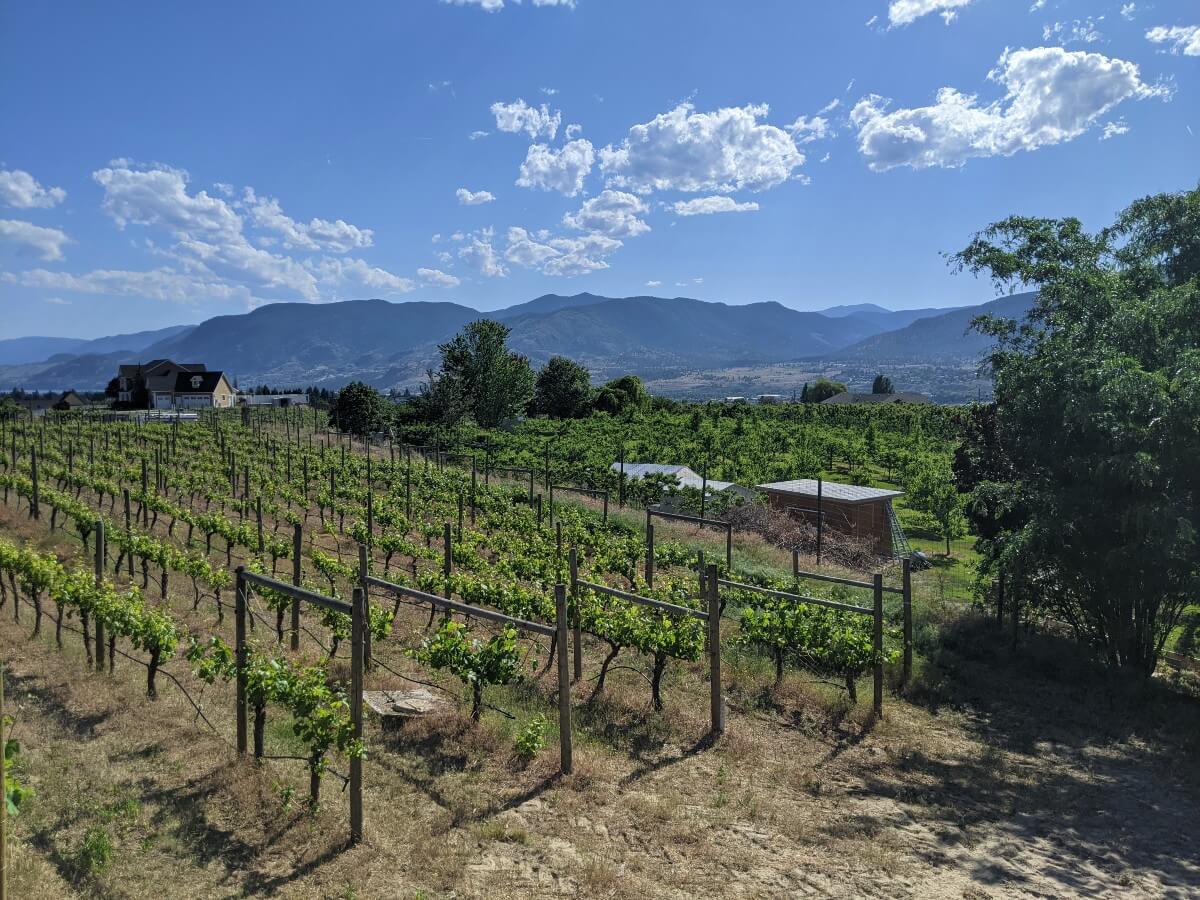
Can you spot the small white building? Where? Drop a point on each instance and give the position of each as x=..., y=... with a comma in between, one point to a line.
x=282, y=400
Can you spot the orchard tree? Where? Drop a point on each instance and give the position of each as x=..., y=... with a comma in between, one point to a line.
x=622, y=394
x=1085, y=480
x=931, y=490
x=563, y=389
x=358, y=409
x=823, y=389
x=494, y=382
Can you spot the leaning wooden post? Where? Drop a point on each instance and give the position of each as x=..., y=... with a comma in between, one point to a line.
x=100, y=554
x=358, y=653
x=564, y=681
x=297, y=547
x=717, y=698
x=550, y=497
x=729, y=548
x=604, y=519
x=577, y=636
x=877, y=643
x=649, y=553
x=908, y=622
x=258, y=513
x=362, y=581
x=33, y=506
x=125, y=496
x=239, y=613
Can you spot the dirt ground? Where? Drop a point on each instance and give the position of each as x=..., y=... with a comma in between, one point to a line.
x=999, y=773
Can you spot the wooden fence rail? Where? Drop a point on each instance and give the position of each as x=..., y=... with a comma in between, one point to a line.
x=558, y=632
x=357, y=612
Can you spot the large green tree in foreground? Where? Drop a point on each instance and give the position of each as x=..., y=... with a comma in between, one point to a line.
x=1086, y=480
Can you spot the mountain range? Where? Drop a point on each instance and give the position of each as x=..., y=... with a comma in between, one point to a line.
x=391, y=345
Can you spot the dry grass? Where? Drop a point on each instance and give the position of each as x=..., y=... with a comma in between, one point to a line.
x=961, y=790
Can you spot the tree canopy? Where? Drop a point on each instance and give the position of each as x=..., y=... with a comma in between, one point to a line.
x=822, y=389
x=358, y=409
x=563, y=389
x=882, y=385
x=1085, y=483
x=492, y=382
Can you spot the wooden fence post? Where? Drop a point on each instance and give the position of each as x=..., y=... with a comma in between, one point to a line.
x=297, y=549
x=717, y=698
x=908, y=622
x=877, y=643
x=34, y=511
x=239, y=613
x=363, y=571
x=577, y=636
x=447, y=556
x=100, y=554
x=729, y=549
x=649, y=553
x=564, y=681
x=258, y=514
x=358, y=661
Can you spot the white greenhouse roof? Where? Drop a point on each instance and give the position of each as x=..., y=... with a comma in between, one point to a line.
x=685, y=476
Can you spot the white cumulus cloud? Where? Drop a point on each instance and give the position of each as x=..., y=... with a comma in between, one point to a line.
x=44, y=243
x=520, y=116
x=557, y=170
x=559, y=255
x=1051, y=95
x=438, y=278
x=473, y=198
x=611, y=212
x=478, y=251
x=21, y=190
x=317, y=234
x=1183, y=39
x=684, y=150
x=905, y=12
x=706, y=206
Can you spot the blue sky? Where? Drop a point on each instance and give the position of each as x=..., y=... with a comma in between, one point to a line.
x=166, y=162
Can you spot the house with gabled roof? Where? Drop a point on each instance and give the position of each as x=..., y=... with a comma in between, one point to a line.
x=166, y=384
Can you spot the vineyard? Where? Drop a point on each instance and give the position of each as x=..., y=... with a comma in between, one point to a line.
x=258, y=573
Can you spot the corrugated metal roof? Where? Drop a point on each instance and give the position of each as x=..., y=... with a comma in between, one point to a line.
x=832, y=490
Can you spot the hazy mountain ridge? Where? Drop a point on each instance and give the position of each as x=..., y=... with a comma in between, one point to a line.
x=391, y=345
x=945, y=337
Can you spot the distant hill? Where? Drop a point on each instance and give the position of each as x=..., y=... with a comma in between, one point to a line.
x=391, y=345
x=651, y=334
x=945, y=337
x=23, y=350
x=885, y=319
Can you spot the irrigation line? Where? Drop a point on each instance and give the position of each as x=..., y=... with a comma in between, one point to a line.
x=146, y=665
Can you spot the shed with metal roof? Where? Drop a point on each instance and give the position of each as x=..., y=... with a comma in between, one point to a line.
x=861, y=512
